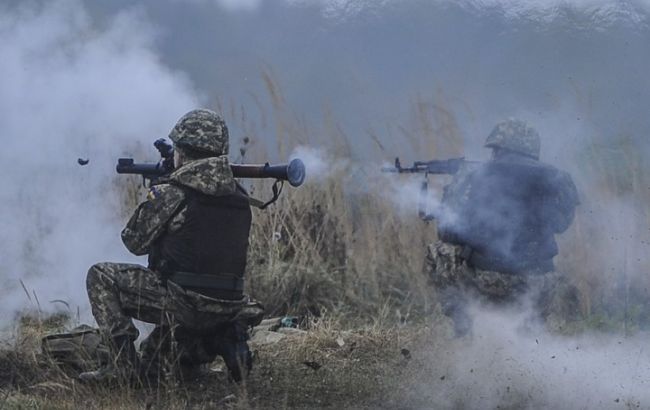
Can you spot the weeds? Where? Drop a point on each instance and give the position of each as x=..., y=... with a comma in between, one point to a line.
x=340, y=253
x=339, y=244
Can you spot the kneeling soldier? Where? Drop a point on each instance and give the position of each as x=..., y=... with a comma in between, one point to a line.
x=194, y=228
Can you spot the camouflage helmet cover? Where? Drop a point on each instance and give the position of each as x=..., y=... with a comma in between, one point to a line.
x=516, y=136
x=201, y=130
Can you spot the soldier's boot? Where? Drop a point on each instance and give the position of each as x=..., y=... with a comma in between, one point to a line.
x=233, y=348
x=155, y=350
x=123, y=366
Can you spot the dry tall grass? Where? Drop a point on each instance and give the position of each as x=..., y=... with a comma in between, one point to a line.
x=339, y=248
x=338, y=244
x=321, y=249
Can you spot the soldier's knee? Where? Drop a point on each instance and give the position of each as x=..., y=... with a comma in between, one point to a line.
x=98, y=273
x=93, y=273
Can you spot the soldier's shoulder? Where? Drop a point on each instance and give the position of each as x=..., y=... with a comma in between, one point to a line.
x=554, y=173
x=565, y=175
x=566, y=184
x=560, y=177
x=562, y=182
x=166, y=192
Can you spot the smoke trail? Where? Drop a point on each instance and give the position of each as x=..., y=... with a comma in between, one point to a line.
x=69, y=90
x=319, y=164
x=417, y=195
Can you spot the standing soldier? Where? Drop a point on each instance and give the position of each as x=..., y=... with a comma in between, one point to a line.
x=497, y=237
x=194, y=227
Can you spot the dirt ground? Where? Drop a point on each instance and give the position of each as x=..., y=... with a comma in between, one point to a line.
x=320, y=368
x=332, y=364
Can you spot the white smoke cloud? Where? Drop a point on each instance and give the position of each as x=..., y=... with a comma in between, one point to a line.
x=410, y=197
x=319, y=164
x=509, y=364
x=72, y=90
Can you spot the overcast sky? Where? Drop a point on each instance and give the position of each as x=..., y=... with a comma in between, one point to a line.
x=581, y=63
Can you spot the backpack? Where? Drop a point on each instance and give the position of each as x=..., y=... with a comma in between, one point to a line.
x=82, y=348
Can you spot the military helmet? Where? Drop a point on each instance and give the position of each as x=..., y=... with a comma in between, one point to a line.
x=516, y=136
x=202, y=131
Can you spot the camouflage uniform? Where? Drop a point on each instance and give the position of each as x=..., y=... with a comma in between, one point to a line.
x=495, y=250
x=119, y=292
x=554, y=299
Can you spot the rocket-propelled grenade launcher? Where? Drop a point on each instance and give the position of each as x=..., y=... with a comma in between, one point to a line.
x=293, y=172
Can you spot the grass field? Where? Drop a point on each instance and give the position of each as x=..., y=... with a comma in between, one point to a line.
x=342, y=252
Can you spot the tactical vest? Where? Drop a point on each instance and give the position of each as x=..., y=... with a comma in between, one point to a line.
x=207, y=253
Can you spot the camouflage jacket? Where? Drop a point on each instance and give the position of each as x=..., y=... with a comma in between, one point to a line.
x=162, y=211
x=509, y=209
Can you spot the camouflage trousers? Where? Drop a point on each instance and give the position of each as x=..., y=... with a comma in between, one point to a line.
x=554, y=299
x=119, y=292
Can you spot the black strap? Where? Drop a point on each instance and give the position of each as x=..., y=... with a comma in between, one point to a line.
x=277, y=190
x=197, y=280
